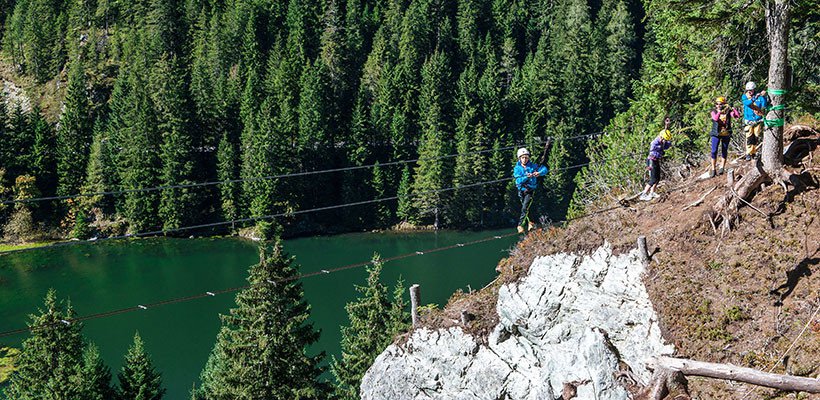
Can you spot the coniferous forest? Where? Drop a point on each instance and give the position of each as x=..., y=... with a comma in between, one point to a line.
x=148, y=98
x=160, y=93
x=156, y=93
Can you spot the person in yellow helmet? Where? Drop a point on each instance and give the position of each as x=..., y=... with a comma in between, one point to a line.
x=721, y=132
x=653, y=163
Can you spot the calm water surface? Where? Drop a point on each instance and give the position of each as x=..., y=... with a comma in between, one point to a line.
x=108, y=276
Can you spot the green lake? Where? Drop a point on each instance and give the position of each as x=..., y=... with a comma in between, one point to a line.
x=105, y=276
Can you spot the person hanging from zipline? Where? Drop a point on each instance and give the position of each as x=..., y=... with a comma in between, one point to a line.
x=526, y=175
x=721, y=132
x=653, y=162
x=754, y=105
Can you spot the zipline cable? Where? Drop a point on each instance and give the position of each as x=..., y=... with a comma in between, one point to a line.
x=202, y=295
x=282, y=176
x=283, y=214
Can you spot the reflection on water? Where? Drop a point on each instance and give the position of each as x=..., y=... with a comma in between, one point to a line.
x=113, y=275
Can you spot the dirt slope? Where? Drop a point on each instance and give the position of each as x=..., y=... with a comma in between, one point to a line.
x=748, y=297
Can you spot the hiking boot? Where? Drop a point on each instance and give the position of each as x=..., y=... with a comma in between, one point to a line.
x=712, y=173
x=520, y=229
x=720, y=171
x=653, y=195
x=531, y=225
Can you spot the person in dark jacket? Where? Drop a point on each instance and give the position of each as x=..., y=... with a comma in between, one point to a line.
x=653, y=162
x=526, y=175
x=721, y=132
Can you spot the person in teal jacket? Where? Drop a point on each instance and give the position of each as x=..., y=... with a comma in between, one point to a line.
x=526, y=175
x=754, y=105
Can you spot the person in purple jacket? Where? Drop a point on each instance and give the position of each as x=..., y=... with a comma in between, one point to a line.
x=526, y=175
x=721, y=132
x=653, y=163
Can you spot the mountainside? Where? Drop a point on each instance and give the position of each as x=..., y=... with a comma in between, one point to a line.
x=748, y=296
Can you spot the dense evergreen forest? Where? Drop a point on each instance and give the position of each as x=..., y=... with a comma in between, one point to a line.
x=164, y=93
x=159, y=92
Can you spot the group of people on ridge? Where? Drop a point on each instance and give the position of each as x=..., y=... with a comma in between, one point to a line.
x=754, y=105
x=526, y=172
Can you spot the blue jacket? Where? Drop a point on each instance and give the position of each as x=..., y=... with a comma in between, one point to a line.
x=520, y=172
x=748, y=113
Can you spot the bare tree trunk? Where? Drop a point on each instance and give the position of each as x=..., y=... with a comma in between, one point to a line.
x=740, y=374
x=771, y=167
x=777, y=26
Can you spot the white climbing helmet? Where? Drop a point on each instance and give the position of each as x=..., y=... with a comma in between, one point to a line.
x=523, y=152
x=750, y=86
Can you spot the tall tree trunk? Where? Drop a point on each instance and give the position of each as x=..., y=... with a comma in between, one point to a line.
x=771, y=168
x=777, y=26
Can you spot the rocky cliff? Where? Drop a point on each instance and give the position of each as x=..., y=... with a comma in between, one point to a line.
x=573, y=321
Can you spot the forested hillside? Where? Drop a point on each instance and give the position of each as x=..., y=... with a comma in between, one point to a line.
x=162, y=93
x=153, y=93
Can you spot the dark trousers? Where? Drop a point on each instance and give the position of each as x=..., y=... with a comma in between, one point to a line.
x=526, y=200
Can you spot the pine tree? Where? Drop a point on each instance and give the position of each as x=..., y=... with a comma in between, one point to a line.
x=18, y=143
x=375, y=320
x=95, y=376
x=43, y=160
x=405, y=208
x=50, y=364
x=260, y=351
x=433, y=174
x=138, y=378
x=43, y=37
x=170, y=97
x=139, y=160
x=74, y=134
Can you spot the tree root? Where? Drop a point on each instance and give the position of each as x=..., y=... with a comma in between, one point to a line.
x=665, y=384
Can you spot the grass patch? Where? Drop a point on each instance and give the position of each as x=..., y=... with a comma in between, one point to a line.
x=4, y=247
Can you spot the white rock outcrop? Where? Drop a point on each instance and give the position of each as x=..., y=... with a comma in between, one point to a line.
x=571, y=319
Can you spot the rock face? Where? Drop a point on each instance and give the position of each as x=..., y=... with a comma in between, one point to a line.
x=573, y=319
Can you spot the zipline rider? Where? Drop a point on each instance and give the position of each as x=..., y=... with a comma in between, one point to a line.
x=526, y=175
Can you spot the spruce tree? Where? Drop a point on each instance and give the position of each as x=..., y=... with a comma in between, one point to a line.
x=139, y=162
x=433, y=174
x=43, y=160
x=74, y=135
x=138, y=378
x=50, y=364
x=376, y=318
x=170, y=97
x=18, y=142
x=260, y=350
x=96, y=376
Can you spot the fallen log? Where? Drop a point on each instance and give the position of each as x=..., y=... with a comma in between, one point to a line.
x=735, y=373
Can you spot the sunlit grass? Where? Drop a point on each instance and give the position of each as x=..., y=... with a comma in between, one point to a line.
x=4, y=247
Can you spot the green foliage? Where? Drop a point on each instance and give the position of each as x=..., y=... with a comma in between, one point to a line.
x=432, y=173
x=7, y=357
x=138, y=378
x=375, y=320
x=260, y=350
x=55, y=362
x=74, y=135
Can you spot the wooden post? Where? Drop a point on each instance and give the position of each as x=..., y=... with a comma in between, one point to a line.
x=642, y=250
x=415, y=297
x=730, y=178
x=731, y=372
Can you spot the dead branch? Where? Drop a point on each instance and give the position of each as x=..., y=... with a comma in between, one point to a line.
x=749, y=204
x=700, y=200
x=735, y=373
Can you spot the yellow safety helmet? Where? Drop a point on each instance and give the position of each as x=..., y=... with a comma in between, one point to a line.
x=666, y=135
x=720, y=100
